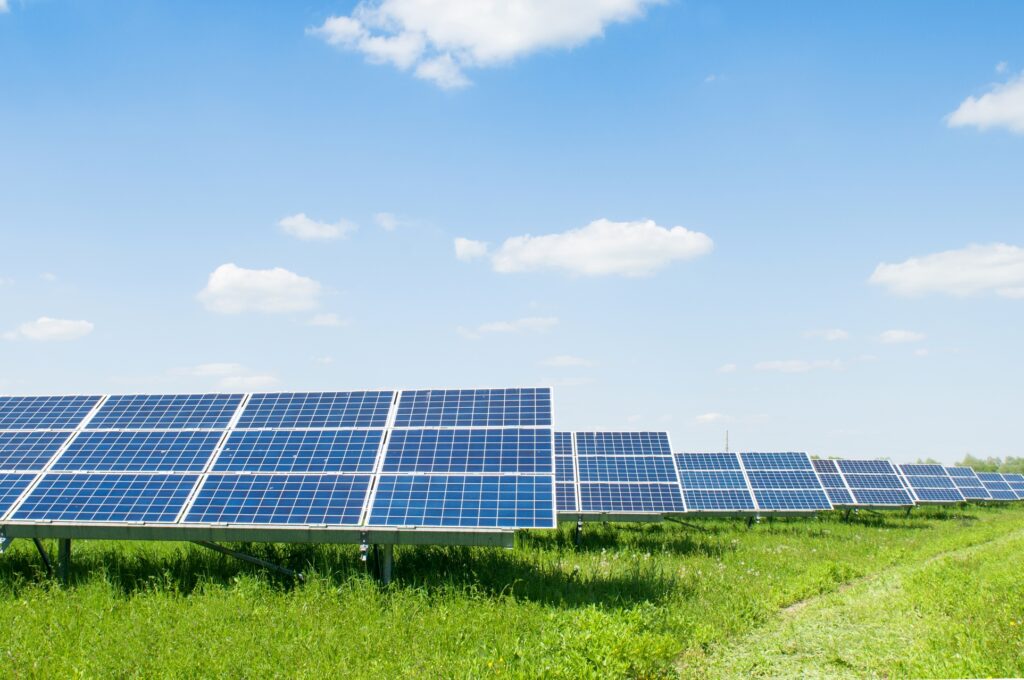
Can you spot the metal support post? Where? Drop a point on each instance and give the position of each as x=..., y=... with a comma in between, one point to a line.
x=579, y=531
x=64, y=560
x=387, y=562
x=46, y=557
x=297, y=575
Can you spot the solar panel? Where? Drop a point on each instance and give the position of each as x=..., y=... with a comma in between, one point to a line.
x=626, y=469
x=997, y=486
x=1016, y=482
x=166, y=412
x=714, y=482
x=106, y=498
x=930, y=484
x=44, y=413
x=622, y=444
x=317, y=410
x=300, y=451
x=832, y=481
x=485, y=501
x=327, y=499
x=28, y=451
x=563, y=444
x=630, y=498
x=139, y=452
x=565, y=496
x=470, y=450
x=784, y=482
x=12, y=485
x=474, y=408
x=966, y=480
x=564, y=471
x=867, y=483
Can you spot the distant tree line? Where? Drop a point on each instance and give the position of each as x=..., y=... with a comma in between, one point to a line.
x=990, y=464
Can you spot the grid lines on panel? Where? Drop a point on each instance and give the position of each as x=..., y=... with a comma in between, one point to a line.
x=931, y=483
x=565, y=496
x=785, y=481
x=166, y=412
x=139, y=451
x=832, y=481
x=776, y=461
x=968, y=483
x=563, y=443
x=713, y=482
x=44, y=413
x=317, y=410
x=1016, y=482
x=322, y=499
x=869, y=483
x=622, y=444
x=12, y=485
x=630, y=498
x=522, y=407
x=564, y=470
x=479, y=501
x=523, y=451
x=300, y=451
x=626, y=469
x=28, y=451
x=107, y=498
x=997, y=486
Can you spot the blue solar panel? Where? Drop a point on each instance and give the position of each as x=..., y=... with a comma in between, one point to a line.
x=627, y=469
x=565, y=496
x=317, y=410
x=139, y=452
x=166, y=412
x=825, y=466
x=997, y=486
x=707, y=461
x=1016, y=482
x=281, y=499
x=858, y=481
x=26, y=451
x=832, y=481
x=877, y=497
x=917, y=469
x=458, y=451
x=709, y=500
x=12, y=485
x=938, y=495
x=563, y=443
x=783, y=479
x=306, y=451
x=484, y=501
x=622, y=444
x=866, y=467
x=44, y=413
x=862, y=482
x=630, y=498
x=474, y=408
x=782, y=499
x=564, y=471
x=712, y=479
x=930, y=483
x=839, y=495
x=968, y=483
x=107, y=498
x=776, y=461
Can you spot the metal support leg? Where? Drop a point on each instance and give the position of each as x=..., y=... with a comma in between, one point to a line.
x=579, y=531
x=909, y=508
x=688, y=525
x=46, y=557
x=386, y=562
x=297, y=575
x=846, y=515
x=64, y=560
x=750, y=521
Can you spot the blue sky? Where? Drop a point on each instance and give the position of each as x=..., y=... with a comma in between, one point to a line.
x=691, y=216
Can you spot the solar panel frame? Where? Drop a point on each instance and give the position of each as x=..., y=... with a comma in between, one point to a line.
x=30, y=450
x=868, y=483
x=784, y=482
x=930, y=484
x=966, y=480
x=20, y=413
x=714, y=484
x=313, y=410
x=997, y=486
x=211, y=411
x=1016, y=482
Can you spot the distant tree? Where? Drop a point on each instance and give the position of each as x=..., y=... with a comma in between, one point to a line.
x=989, y=464
x=1012, y=464
x=927, y=461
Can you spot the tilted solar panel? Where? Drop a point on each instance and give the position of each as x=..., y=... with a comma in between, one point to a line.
x=474, y=408
x=626, y=469
x=565, y=496
x=966, y=480
x=107, y=498
x=166, y=412
x=563, y=444
x=44, y=413
x=12, y=485
x=301, y=451
x=564, y=471
x=330, y=410
x=832, y=481
x=29, y=451
x=329, y=499
x=874, y=483
x=1016, y=482
x=129, y=451
x=630, y=498
x=930, y=484
x=622, y=444
x=714, y=482
x=526, y=450
x=784, y=482
x=997, y=486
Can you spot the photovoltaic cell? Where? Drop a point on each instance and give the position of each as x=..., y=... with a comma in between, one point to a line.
x=564, y=471
x=622, y=444
x=166, y=412
x=776, y=461
x=565, y=494
x=300, y=451
x=28, y=451
x=107, y=498
x=474, y=408
x=784, y=481
x=630, y=498
x=930, y=484
x=997, y=487
x=832, y=481
x=139, y=452
x=626, y=469
x=870, y=483
x=12, y=485
x=1016, y=482
x=317, y=410
x=481, y=501
x=563, y=443
x=707, y=461
x=712, y=479
x=334, y=500
x=460, y=451
x=44, y=413
x=968, y=483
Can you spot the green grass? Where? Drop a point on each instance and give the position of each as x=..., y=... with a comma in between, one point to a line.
x=656, y=600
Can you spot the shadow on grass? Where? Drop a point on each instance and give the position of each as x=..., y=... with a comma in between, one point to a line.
x=664, y=537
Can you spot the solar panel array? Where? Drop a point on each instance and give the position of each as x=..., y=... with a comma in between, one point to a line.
x=438, y=459
x=862, y=483
x=714, y=482
x=1016, y=482
x=966, y=480
x=997, y=486
x=930, y=484
x=616, y=473
x=784, y=482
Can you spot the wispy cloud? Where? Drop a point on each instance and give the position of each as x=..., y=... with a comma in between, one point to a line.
x=829, y=334
x=467, y=249
x=997, y=268
x=232, y=290
x=894, y=337
x=567, y=361
x=727, y=368
x=327, y=320
x=230, y=376
x=387, y=221
x=706, y=418
x=1001, y=107
x=46, y=329
x=530, y=324
x=302, y=227
x=798, y=365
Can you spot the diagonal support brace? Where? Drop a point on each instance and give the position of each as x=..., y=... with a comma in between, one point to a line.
x=297, y=575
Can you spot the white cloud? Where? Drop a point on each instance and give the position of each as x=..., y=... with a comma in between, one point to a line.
x=998, y=268
x=567, y=361
x=230, y=376
x=711, y=77
x=49, y=277
x=45, y=328
x=4, y=7
x=798, y=365
x=923, y=352
x=324, y=360
x=247, y=383
x=1001, y=107
x=1002, y=67
x=897, y=337
x=327, y=320
x=232, y=289
x=829, y=334
x=442, y=38
x=602, y=248
x=727, y=368
x=468, y=249
x=302, y=227
x=530, y=324
x=216, y=369
x=709, y=418
x=386, y=221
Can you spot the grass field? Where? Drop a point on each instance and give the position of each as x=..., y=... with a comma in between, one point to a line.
x=937, y=594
